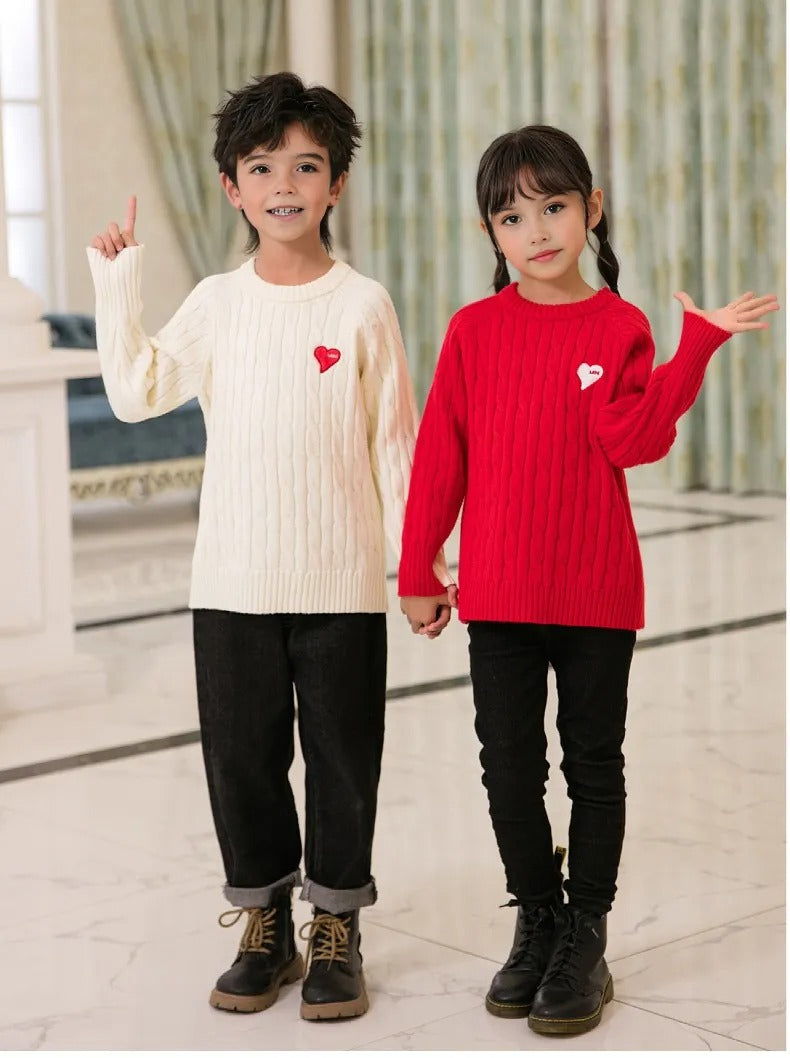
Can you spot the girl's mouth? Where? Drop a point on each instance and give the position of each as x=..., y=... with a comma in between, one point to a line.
x=549, y=255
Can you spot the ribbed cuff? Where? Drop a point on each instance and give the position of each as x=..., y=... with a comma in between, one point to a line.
x=699, y=340
x=118, y=281
x=416, y=576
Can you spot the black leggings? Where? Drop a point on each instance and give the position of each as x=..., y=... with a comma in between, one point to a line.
x=509, y=666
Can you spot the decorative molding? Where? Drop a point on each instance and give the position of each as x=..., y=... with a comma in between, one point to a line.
x=136, y=482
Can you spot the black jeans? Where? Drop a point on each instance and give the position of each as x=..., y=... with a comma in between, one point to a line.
x=247, y=666
x=509, y=666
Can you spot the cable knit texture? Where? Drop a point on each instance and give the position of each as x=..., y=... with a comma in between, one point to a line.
x=308, y=453
x=534, y=412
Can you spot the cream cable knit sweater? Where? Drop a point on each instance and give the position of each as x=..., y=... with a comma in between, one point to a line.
x=310, y=423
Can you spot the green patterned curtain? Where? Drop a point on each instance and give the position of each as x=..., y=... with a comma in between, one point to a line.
x=434, y=81
x=698, y=147
x=679, y=107
x=184, y=56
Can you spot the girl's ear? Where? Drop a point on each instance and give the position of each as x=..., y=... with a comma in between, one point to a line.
x=595, y=207
x=336, y=189
x=230, y=190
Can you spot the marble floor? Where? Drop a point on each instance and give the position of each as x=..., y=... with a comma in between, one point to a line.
x=111, y=882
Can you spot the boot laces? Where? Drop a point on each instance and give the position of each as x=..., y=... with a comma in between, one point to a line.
x=566, y=958
x=258, y=933
x=527, y=952
x=327, y=938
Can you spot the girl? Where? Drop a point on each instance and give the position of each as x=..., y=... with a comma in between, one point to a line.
x=543, y=395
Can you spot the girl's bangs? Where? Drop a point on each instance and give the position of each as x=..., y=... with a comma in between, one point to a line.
x=523, y=169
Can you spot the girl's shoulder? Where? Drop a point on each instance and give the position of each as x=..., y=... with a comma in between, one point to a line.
x=628, y=318
x=479, y=312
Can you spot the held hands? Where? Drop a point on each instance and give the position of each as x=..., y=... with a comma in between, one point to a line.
x=742, y=314
x=112, y=241
x=427, y=615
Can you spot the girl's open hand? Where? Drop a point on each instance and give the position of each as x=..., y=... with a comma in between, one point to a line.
x=112, y=241
x=742, y=314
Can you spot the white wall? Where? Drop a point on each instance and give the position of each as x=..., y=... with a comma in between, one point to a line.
x=105, y=158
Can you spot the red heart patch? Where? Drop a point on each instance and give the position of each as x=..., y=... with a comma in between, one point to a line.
x=326, y=357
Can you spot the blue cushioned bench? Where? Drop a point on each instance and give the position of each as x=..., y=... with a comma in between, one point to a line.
x=110, y=457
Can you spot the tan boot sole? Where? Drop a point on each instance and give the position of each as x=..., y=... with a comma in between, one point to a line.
x=572, y=1026
x=507, y=1010
x=351, y=1008
x=252, y=1004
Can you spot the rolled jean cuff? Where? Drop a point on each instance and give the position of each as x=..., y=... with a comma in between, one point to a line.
x=264, y=895
x=336, y=901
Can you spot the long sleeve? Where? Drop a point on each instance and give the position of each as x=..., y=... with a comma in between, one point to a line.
x=392, y=419
x=639, y=425
x=438, y=482
x=145, y=377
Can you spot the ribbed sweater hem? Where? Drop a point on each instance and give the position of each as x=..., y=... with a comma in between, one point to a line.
x=557, y=605
x=287, y=591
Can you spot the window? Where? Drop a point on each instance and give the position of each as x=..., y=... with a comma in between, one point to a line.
x=24, y=148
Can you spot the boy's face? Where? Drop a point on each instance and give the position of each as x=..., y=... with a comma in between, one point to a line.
x=286, y=192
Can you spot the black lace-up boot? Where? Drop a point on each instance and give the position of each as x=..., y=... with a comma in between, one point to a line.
x=334, y=986
x=577, y=983
x=266, y=960
x=514, y=986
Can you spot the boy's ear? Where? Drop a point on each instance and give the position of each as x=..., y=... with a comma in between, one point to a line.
x=230, y=190
x=336, y=189
x=595, y=207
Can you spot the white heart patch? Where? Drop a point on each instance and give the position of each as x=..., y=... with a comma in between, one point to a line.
x=589, y=373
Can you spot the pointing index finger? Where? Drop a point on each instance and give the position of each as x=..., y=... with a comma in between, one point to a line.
x=131, y=214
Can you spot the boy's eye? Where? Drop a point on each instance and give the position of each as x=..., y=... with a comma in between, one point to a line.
x=555, y=207
x=307, y=167
x=260, y=169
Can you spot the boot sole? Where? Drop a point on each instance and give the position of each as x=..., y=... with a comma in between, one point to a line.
x=572, y=1026
x=507, y=1010
x=294, y=971
x=349, y=1008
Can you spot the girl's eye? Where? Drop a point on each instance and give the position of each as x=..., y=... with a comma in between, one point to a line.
x=511, y=219
x=554, y=208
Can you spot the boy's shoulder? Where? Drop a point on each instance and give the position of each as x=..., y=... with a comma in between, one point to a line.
x=367, y=296
x=218, y=284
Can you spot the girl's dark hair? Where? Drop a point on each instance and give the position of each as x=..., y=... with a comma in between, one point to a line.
x=553, y=163
x=258, y=115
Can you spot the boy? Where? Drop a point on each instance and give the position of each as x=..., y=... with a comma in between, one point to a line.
x=299, y=367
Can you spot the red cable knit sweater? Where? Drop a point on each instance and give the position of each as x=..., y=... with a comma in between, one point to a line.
x=533, y=413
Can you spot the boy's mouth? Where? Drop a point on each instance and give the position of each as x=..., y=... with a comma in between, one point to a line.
x=284, y=211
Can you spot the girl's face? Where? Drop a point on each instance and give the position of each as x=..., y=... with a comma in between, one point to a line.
x=542, y=236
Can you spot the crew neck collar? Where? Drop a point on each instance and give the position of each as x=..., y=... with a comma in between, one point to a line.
x=316, y=288
x=565, y=310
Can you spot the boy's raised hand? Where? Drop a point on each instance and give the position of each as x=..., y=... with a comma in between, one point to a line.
x=742, y=314
x=427, y=615
x=114, y=239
